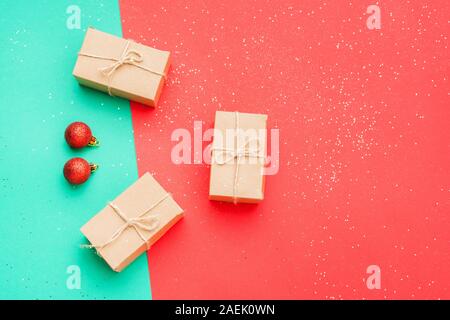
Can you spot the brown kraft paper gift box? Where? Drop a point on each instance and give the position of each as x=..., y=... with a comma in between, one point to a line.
x=150, y=212
x=121, y=67
x=237, y=157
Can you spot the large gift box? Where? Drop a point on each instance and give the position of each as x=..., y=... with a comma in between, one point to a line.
x=132, y=222
x=121, y=67
x=238, y=156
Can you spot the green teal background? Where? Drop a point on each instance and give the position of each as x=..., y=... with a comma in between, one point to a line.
x=41, y=214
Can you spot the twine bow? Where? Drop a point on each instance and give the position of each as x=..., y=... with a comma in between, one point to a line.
x=242, y=152
x=237, y=154
x=131, y=57
x=139, y=223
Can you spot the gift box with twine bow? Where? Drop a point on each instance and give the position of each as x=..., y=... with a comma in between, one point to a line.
x=238, y=156
x=121, y=67
x=132, y=222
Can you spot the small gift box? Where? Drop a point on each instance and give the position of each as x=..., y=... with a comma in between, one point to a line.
x=121, y=67
x=237, y=157
x=132, y=222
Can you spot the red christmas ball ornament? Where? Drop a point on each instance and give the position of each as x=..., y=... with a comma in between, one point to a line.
x=79, y=135
x=78, y=170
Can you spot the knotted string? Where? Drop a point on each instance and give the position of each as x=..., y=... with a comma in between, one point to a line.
x=139, y=223
x=238, y=154
x=131, y=57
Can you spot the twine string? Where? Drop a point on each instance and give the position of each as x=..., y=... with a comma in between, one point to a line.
x=131, y=57
x=139, y=223
x=237, y=154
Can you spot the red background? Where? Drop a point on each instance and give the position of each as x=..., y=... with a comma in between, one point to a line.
x=364, y=146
